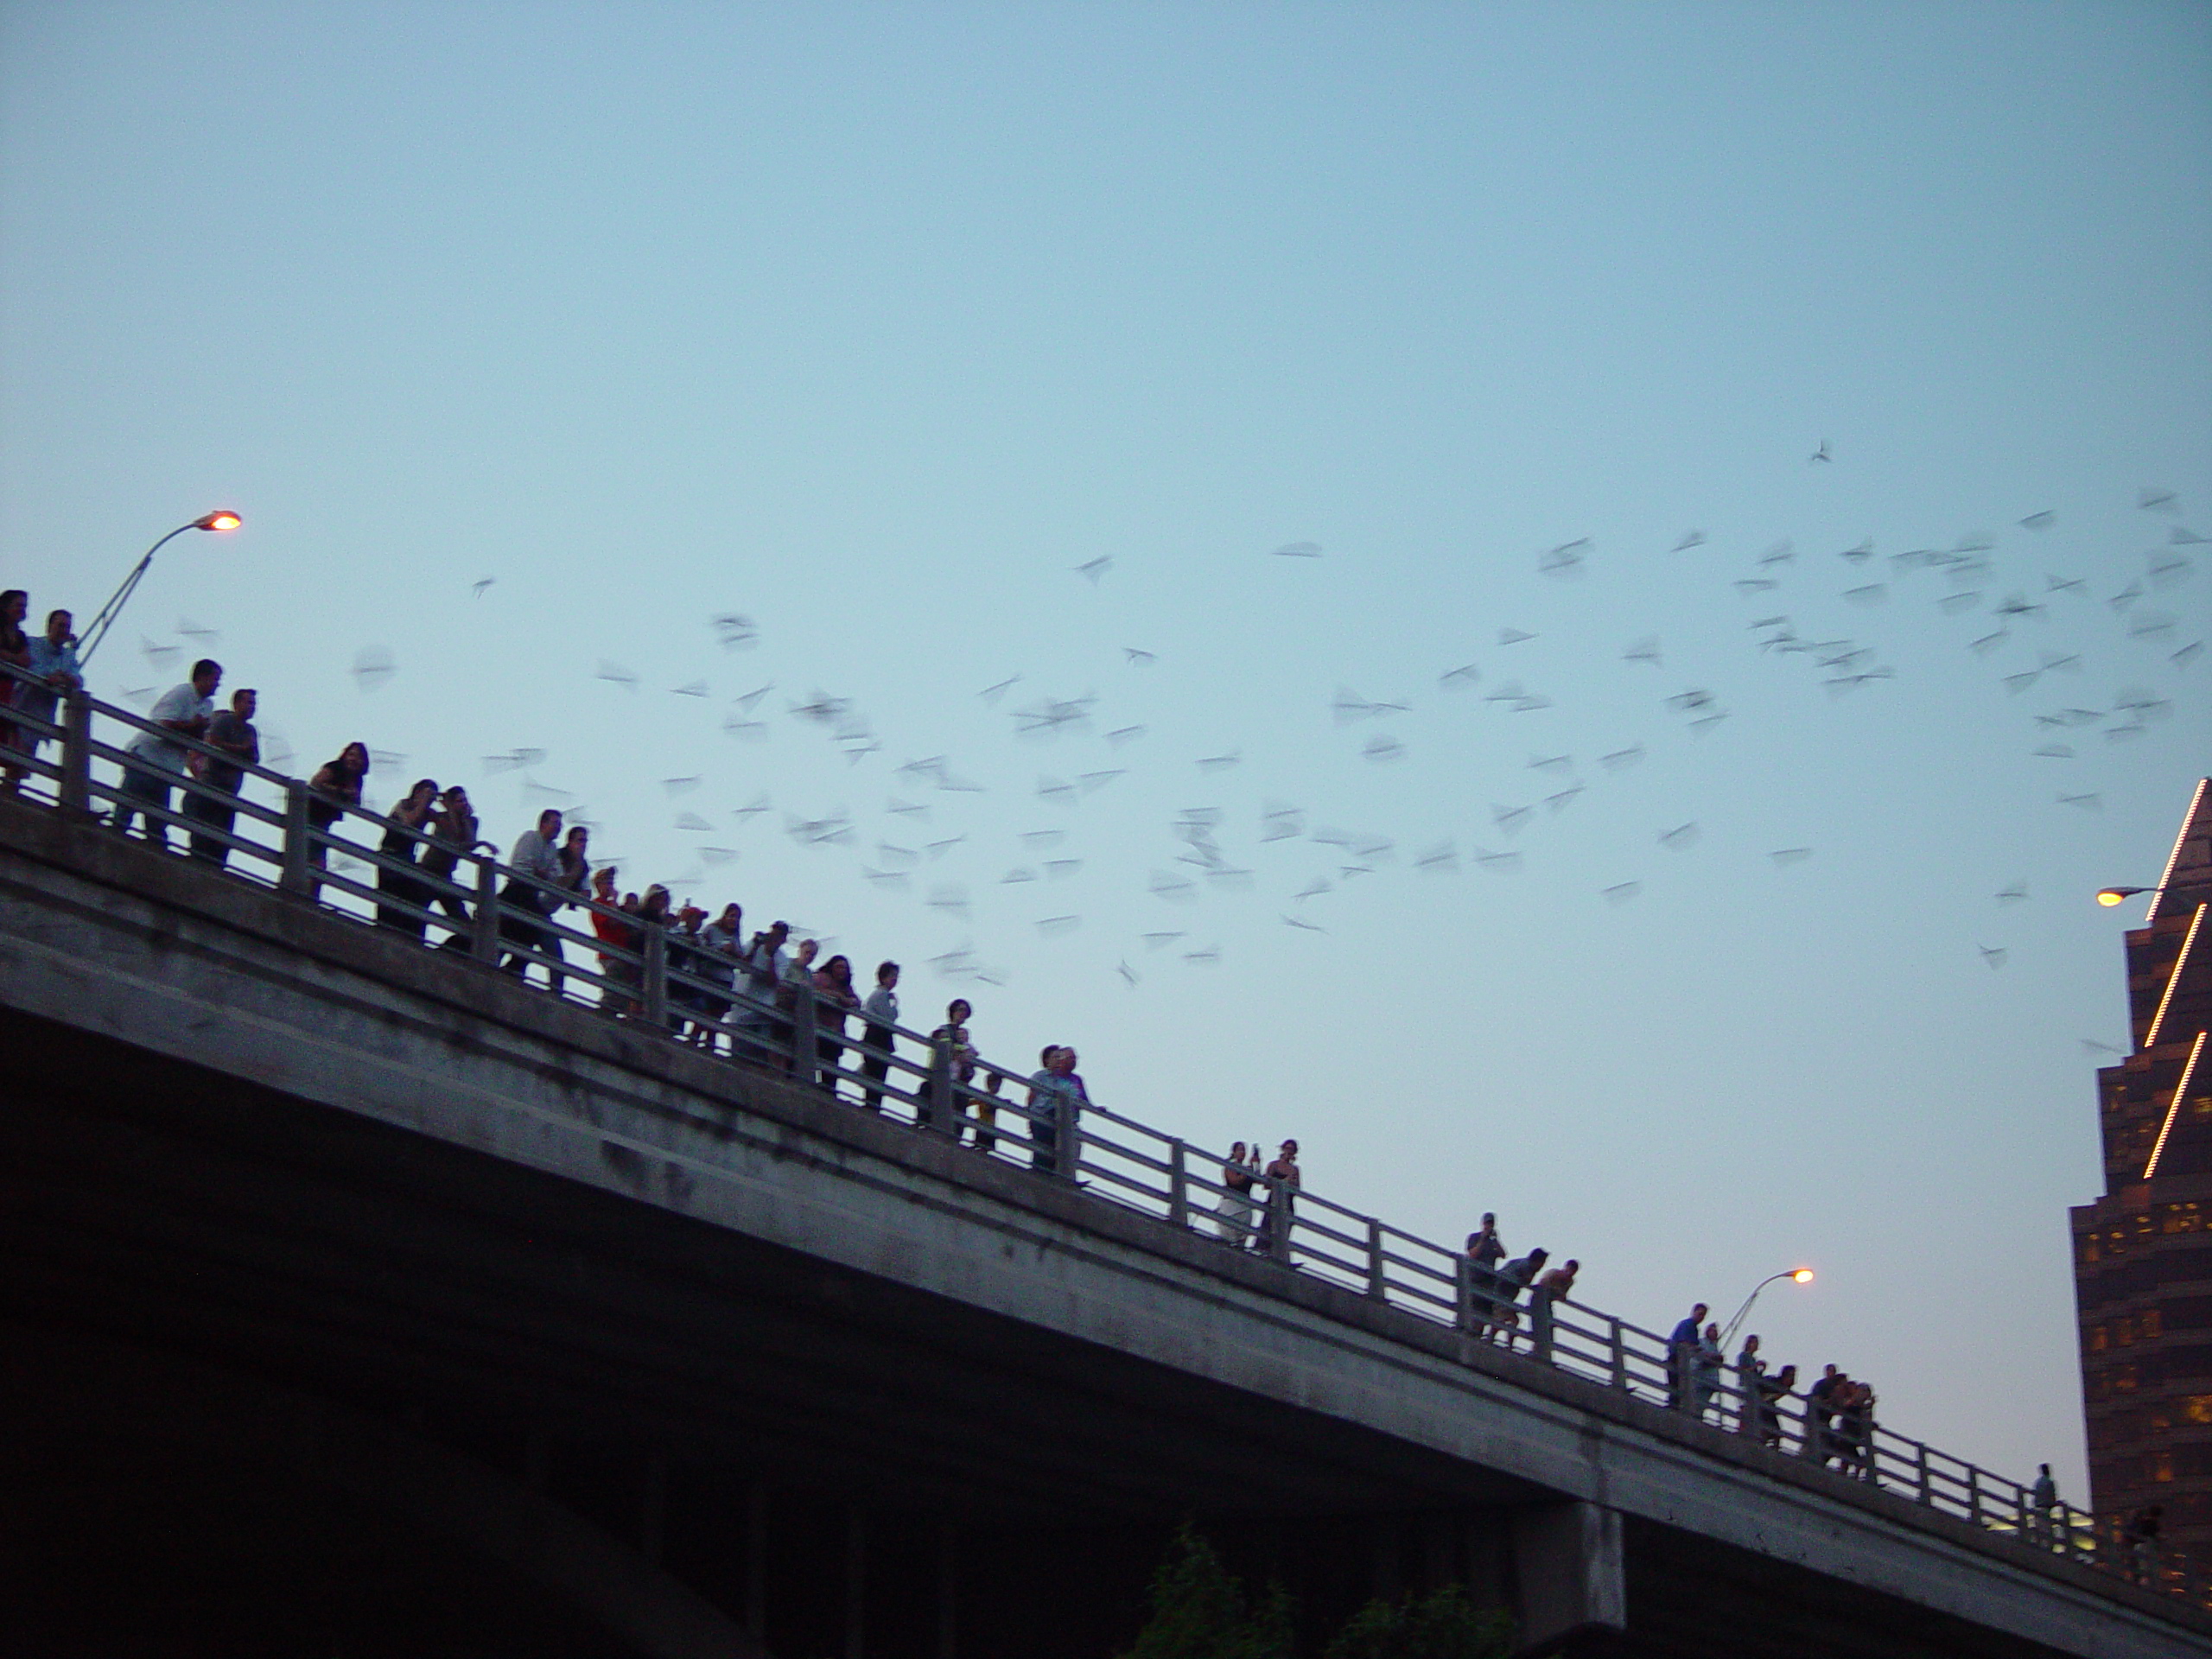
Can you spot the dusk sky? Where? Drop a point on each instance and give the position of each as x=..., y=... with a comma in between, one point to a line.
x=875, y=326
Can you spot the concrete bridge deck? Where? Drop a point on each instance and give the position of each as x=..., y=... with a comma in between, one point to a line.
x=335, y=1263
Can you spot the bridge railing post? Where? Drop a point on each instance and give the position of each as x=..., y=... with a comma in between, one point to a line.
x=1540, y=1324
x=1279, y=1222
x=1922, y=1489
x=1617, y=1344
x=296, y=873
x=802, y=1056
x=1378, y=1282
x=958, y=1106
x=1179, y=1185
x=1464, y=1294
x=938, y=1108
x=484, y=936
x=1973, y=1493
x=653, y=987
x=76, y=784
x=1067, y=1140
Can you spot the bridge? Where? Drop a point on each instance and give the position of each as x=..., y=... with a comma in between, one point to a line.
x=363, y=1297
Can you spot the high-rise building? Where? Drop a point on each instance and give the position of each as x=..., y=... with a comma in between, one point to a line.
x=2143, y=1252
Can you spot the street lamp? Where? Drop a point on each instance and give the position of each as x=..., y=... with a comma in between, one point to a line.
x=1795, y=1275
x=2110, y=896
x=96, y=630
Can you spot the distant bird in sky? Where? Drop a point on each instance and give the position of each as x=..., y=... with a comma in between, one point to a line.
x=1095, y=567
x=1566, y=559
x=992, y=693
x=1821, y=454
x=1861, y=553
x=1690, y=538
x=2016, y=893
x=1138, y=659
x=693, y=689
x=615, y=673
x=476, y=588
x=1784, y=857
x=1512, y=635
x=1992, y=955
x=1682, y=835
x=1621, y=892
x=1644, y=650
x=1299, y=550
x=1456, y=679
x=1311, y=927
x=373, y=667
x=2043, y=520
x=2152, y=500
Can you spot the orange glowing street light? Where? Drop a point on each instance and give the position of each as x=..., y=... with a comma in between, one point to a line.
x=221, y=519
x=2110, y=896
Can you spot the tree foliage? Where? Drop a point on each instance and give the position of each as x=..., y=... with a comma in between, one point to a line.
x=1446, y=1625
x=1199, y=1610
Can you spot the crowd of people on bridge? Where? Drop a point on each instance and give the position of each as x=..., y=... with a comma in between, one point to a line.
x=724, y=994
x=741, y=997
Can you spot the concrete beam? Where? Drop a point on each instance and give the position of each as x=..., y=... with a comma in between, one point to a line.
x=1572, y=1574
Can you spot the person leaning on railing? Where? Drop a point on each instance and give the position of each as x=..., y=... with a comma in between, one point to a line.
x=53, y=659
x=1055, y=1098
x=453, y=837
x=1773, y=1388
x=618, y=996
x=882, y=1010
x=336, y=786
x=949, y=1044
x=835, y=1001
x=1485, y=1250
x=524, y=904
x=156, y=759
x=1749, y=1367
x=720, y=940
x=230, y=730
x=405, y=892
x=1233, y=1215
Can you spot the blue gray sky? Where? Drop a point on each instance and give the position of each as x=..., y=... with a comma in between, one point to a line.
x=873, y=324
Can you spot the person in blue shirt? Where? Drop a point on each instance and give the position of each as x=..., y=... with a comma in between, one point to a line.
x=1056, y=1097
x=53, y=659
x=1682, y=1357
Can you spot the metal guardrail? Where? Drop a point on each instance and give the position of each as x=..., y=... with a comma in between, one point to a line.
x=659, y=977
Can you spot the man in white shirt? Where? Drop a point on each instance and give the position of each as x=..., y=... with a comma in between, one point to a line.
x=882, y=1011
x=156, y=759
x=537, y=854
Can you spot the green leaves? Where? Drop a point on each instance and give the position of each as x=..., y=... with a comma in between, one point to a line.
x=1202, y=1610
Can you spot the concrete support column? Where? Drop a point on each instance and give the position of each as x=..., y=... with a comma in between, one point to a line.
x=653, y=1508
x=1568, y=1560
x=856, y=1584
x=948, y=1590
x=756, y=1562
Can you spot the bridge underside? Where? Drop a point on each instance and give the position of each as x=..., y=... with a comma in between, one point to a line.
x=285, y=1378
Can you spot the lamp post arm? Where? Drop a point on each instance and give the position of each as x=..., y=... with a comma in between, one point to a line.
x=1728, y=1335
x=97, y=629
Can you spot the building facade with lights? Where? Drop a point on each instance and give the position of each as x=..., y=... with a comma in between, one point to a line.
x=2143, y=1252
